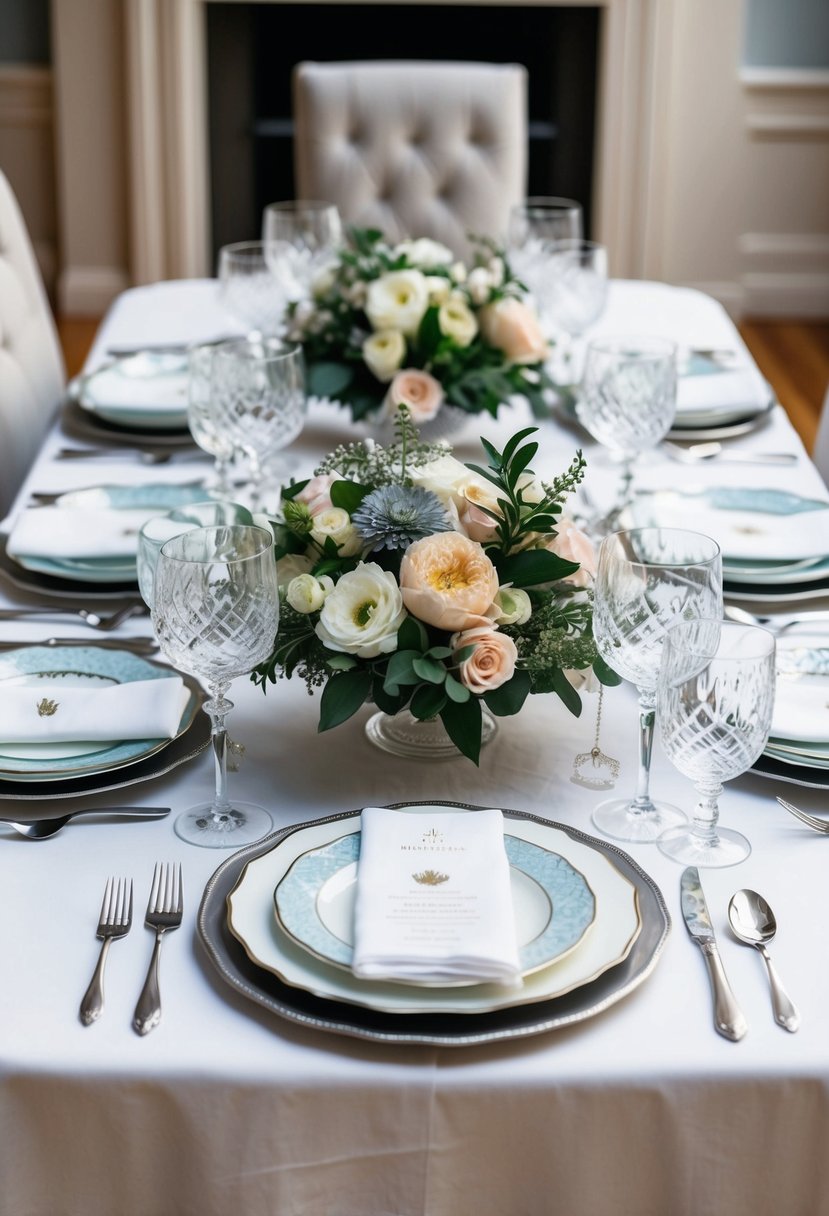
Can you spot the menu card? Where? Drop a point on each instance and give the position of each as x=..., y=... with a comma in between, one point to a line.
x=434, y=902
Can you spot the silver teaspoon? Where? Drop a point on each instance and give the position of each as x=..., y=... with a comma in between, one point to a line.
x=752, y=922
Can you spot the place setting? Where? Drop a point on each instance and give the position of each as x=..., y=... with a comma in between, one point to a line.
x=137, y=398
x=798, y=746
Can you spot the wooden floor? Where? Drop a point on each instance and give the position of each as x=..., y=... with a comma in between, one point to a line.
x=792, y=355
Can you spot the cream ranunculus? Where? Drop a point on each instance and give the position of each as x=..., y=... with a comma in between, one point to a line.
x=491, y=663
x=336, y=524
x=416, y=389
x=317, y=494
x=452, y=482
x=514, y=605
x=363, y=613
x=457, y=321
x=512, y=327
x=289, y=566
x=448, y=581
x=384, y=352
x=305, y=594
x=398, y=300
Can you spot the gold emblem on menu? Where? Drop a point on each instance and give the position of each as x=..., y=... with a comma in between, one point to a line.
x=433, y=836
x=46, y=708
x=430, y=878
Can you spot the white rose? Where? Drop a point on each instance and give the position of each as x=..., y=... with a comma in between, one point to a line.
x=479, y=285
x=496, y=271
x=457, y=272
x=457, y=321
x=363, y=613
x=514, y=606
x=444, y=476
x=305, y=594
x=424, y=252
x=289, y=566
x=336, y=523
x=398, y=301
x=384, y=353
x=324, y=280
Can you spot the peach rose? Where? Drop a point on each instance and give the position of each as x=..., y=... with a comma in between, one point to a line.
x=513, y=328
x=491, y=663
x=448, y=581
x=477, y=493
x=418, y=390
x=574, y=546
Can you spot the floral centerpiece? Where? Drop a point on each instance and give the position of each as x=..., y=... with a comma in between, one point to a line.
x=410, y=324
x=417, y=582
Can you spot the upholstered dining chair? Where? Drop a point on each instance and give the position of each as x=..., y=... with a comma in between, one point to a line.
x=414, y=148
x=32, y=373
x=820, y=451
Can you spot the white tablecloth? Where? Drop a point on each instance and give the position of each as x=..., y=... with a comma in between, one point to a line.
x=641, y=1111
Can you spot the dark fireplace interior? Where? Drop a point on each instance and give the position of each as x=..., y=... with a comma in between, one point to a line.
x=252, y=49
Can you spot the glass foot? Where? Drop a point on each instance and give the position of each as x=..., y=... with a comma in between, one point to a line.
x=619, y=819
x=726, y=848
x=243, y=823
x=405, y=735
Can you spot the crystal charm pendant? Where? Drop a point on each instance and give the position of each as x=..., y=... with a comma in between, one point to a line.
x=594, y=770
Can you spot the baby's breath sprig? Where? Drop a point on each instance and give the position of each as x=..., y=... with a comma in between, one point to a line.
x=371, y=464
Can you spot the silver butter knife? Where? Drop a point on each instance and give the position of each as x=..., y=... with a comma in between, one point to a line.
x=728, y=1018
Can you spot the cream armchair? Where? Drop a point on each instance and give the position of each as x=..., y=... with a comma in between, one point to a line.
x=32, y=374
x=413, y=148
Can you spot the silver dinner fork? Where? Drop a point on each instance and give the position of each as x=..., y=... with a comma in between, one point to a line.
x=93, y=619
x=114, y=921
x=164, y=912
x=819, y=825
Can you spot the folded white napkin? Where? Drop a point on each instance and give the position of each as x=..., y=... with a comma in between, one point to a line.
x=75, y=532
x=433, y=902
x=46, y=711
x=733, y=389
x=125, y=386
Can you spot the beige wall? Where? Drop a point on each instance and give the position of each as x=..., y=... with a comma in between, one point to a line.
x=730, y=173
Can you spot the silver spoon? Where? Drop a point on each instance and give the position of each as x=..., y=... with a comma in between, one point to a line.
x=701, y=452
x=42, y=829
x=752, y=922
x=775, y=624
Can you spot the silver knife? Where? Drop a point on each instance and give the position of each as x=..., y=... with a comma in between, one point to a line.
x=728, y=1018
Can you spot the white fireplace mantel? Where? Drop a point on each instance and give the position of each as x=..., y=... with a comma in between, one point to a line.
x=166, y=73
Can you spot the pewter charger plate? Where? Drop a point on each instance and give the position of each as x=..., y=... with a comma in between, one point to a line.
x=296, y=1005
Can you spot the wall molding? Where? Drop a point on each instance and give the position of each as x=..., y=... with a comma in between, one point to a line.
x=788, y=126
x=87, y=291
x=811, y=246
x=784, y=79
x=786, y=293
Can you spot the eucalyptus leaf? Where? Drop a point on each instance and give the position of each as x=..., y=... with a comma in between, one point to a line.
x=429, y=670
x=329, y=379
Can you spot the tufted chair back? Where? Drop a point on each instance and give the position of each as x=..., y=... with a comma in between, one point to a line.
x=32, y=374
x=413, y=148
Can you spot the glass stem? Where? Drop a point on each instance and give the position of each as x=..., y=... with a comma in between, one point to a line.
x=218, y=707
x=256, y=474
x=221, y=468
x=707, y=812
x=626, y=486
x=642, y=803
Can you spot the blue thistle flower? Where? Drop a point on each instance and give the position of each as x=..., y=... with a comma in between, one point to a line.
x=392, y=517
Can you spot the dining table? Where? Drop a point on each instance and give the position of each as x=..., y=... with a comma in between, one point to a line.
x=250, y=1096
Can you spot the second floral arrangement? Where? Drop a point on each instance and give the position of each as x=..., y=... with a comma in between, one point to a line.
x=409, y=324
x=416, y=582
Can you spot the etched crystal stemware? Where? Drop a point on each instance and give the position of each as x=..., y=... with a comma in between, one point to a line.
x=647, y=580
x=249, y=290
x=715, y=701
x=203, y=421
x=215, y=614
x=533, y=226
x=301, y=237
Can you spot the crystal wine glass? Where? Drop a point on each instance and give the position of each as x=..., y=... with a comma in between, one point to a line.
x=575, y=288
x=203, y=421
x=628, y=399
x=215, y=614
x=647, y=580
x=716, y=700
x=261, y=402
x=249, y=290
x=157, y=531
x=301, y=237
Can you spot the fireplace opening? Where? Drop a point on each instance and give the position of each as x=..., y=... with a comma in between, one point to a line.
x=253, y=48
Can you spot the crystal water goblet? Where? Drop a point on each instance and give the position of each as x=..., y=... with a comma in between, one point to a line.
x=249, y=290
x=301, y=237
x=533, y=226
x=157, y=531
x=715, y=703
x=215, y=614
x=259, y=393
x=203, y=421
x=575, y=287
x=647, y=580
x=628, y=401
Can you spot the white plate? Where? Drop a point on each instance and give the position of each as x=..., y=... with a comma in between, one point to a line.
x=142, y=390
x=553, y=904
x=252, y=922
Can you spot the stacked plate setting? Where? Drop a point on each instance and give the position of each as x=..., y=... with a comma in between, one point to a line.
x=277, y=921
x=798, y=746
